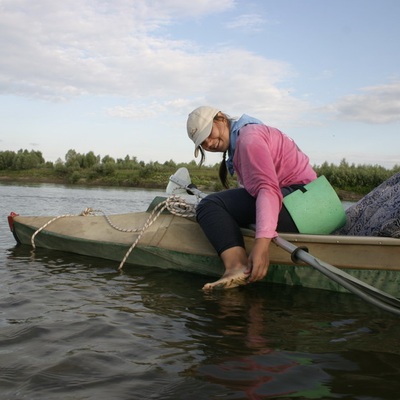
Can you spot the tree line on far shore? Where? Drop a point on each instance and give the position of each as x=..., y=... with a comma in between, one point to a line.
x=93, y=169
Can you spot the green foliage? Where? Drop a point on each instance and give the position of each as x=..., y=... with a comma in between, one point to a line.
x=92, y=169
x=22, y=160
x=360, y=179
x=74, y=177
x=147, y=171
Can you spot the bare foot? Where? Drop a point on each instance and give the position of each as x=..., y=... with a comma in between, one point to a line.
x=229, y=280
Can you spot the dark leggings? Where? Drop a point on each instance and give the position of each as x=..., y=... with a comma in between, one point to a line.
x=221, y=215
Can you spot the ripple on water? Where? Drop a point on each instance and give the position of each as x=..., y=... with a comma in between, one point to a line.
x=72, y=327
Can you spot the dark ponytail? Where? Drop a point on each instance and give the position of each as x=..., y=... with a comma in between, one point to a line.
x=223, y=172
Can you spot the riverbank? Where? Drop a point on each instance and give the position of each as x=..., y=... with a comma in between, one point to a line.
x=344, y=195
x=350, y=181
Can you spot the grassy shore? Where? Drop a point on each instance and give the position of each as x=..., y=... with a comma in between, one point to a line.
x=205, y=179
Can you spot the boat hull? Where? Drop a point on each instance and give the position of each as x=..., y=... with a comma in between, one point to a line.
x=173, y=242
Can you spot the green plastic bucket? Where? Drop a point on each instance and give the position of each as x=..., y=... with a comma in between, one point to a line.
x=318, y=210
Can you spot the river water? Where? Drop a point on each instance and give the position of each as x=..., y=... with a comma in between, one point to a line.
x=72, y=327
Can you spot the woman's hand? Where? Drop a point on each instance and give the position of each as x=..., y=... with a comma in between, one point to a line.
x=258, y=261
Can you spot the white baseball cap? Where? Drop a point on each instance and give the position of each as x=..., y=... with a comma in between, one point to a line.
x=199, y=125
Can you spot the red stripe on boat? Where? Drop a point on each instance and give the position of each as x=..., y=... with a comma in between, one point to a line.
x=11, y=220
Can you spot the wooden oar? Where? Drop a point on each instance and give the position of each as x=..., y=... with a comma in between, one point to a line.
x=367, y=292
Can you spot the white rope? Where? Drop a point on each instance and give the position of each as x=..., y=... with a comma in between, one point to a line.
x=84, y=213
x=174, y=204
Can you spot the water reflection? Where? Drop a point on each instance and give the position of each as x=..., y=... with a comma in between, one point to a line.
x=286, y=342
x=350, y=374
x=74, y=327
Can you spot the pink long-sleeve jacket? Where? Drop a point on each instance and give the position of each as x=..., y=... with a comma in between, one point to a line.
x=265, y=160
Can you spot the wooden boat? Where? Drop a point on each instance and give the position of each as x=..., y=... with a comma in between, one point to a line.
x=178, y=243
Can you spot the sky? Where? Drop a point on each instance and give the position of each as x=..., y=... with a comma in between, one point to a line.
x=119, y=77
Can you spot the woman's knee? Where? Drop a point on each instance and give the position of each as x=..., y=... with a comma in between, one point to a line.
x=206, y=204
x=237, y=204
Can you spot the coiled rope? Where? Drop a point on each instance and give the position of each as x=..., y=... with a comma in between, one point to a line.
x=176, y=205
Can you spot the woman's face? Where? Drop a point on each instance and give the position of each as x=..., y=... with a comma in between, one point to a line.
x=218, y=140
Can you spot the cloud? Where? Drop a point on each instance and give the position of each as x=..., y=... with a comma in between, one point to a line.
x=374, y=105
x=213, y=79
x=58, y=51
x=185, y=8
x=247, y=23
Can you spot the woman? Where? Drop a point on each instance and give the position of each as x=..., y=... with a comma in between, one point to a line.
x=269, y=166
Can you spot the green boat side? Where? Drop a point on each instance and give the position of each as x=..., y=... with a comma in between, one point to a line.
x=176, y=243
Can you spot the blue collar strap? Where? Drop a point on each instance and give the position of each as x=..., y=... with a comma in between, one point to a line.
x=236, y=125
